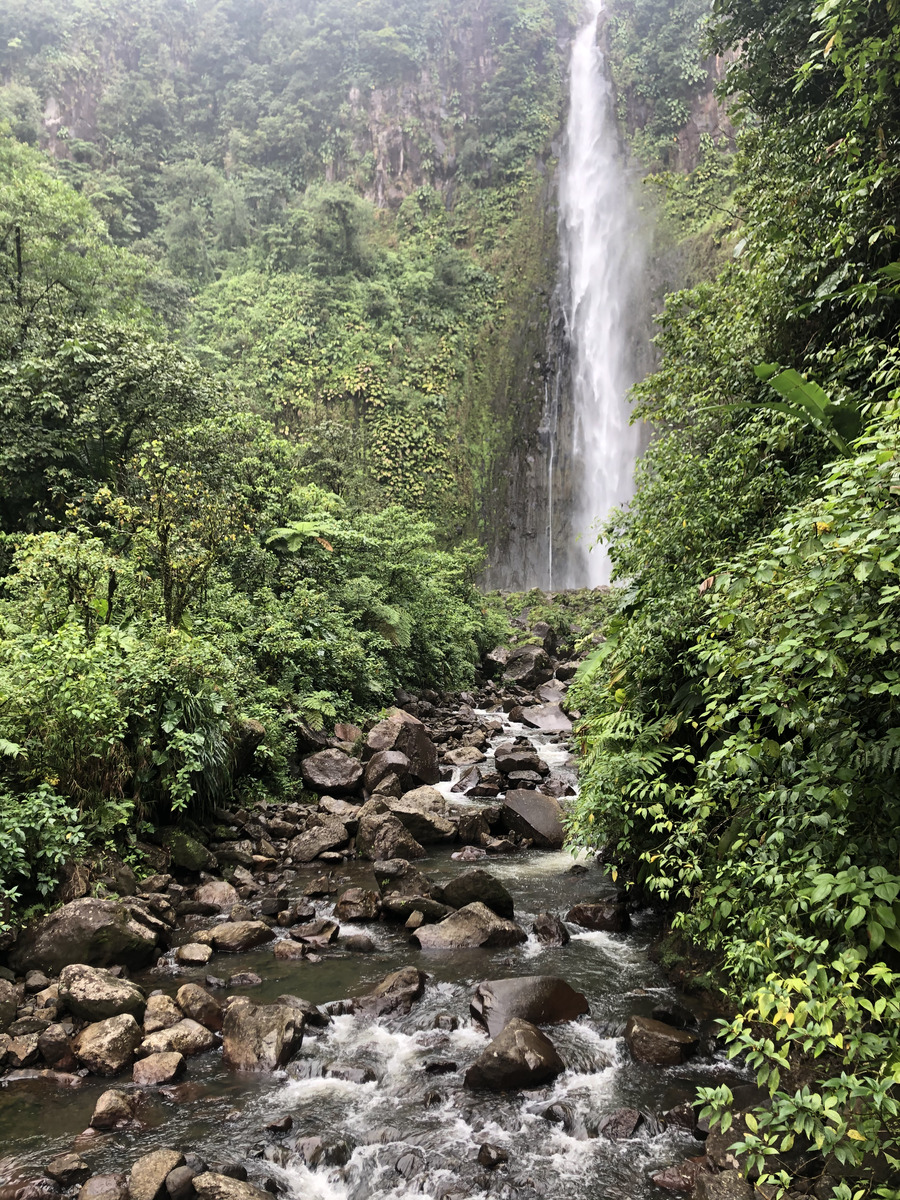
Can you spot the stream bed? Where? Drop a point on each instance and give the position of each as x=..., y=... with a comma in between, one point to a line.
x=384, y=1098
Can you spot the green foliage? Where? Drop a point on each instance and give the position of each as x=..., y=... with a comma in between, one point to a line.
x=740, y=728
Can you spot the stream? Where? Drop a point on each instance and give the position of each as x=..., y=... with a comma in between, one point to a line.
x=386, y=1097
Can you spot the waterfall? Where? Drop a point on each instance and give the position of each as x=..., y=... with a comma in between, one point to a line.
x=601, y=271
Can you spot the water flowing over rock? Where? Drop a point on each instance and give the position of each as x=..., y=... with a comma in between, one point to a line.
x=539, y=999
x=519, y=1057
x=602, y=266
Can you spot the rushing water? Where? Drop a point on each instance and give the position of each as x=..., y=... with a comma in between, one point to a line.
x=602, y=266
x=408, y=1129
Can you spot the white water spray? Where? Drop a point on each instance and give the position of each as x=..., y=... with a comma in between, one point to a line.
x=602, y=269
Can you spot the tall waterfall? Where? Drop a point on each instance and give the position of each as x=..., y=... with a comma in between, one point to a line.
x=602, y=269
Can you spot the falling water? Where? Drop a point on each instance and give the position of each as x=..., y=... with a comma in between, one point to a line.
x=602, y=265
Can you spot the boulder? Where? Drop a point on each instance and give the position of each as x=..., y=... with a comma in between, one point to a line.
x=68, y=1170
x=729, y=1185
x=423, y=812
x=621, y=1124
x=187, y=852
x=482, y=887
x=197, y=1004
x=396, y=993
x=383, y=764
x=327, y=835
x=465, y=756
x=332, y=771
x=161, y=1013
x=528, y=666
x=147, y=1180
x=193, y=954
x=540, y=999
x=406, y=734
x=235, y=937
x=357, y=904
x=550, y=931
x=346, y=813
x=551, y=693
x=180, y=1183
x=607, y=916
x=403, y=908
x=157, y=1069
x=473, y=829
x=474, y=925
x=381, y=835
x=9, y=1002
x=98, y=933
x=535, y=816
x=187, y=1037
x=104, y=1187
x=56, y=1048
x=218, y=895
x=113, y=1109
x=259, y=1037
x=548, y=718
x=509, y=758
x=210, y=1186
x=93, y=994
x=494, y=661
x=654, y=1042
x=108, y=1047
x=519, y=1057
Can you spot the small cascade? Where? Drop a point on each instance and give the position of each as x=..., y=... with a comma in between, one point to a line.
x=602, y=267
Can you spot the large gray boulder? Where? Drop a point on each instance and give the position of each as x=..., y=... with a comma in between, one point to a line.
x=548, y=718
x=218, y=895
x=395, y=994
x=260, y=1037
x=332, y=771
x=187, y=852
x=329, y=834
x=509, y=757
x=478, y=886
x=147, y=1180
x=519, y=1057
x=657, y=1043
x=474, y=925
x=383, y=764
x=99, y=933
x=406, y=734
x=382, y=835
x=603, y=916
x=108, y=1047
x=186, y=1037
x=235, y=937
x=535, y=816
x=94, y=994
x=423, y=812
x=528, y=666
x=540, y=999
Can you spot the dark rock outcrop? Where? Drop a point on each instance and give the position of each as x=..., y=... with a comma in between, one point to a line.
x=407, y=735
x=535, y=816
x=99, y=933
x=654, y=1042
x=607, y=916
x=332, y=771
x=539, y=999
x=481, y=887
x=519, y=1057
